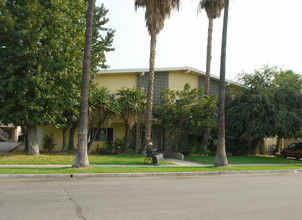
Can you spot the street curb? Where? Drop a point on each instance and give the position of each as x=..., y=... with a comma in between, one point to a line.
x=158, y=174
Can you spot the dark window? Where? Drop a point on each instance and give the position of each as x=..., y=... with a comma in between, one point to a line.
x=103, y=134
x=299, y=145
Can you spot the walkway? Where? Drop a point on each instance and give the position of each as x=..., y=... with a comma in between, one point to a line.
x=7, y=146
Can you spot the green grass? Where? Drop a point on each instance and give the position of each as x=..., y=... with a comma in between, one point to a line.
x=138, y=169
x=67, y=159
x=243, y=160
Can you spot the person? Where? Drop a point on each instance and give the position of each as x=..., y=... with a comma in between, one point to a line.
x=150, y=152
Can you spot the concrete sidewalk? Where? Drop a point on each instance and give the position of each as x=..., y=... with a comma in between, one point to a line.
x=177, y=163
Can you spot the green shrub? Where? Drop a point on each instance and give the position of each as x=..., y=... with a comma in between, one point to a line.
x=49, y=142
x=111, y=147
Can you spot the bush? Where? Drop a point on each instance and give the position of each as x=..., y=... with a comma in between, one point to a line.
x=49, y=142
x=111, y=147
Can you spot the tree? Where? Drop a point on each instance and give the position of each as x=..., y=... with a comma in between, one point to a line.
x=183, y=110
x=132, y=103
x=81, y=158
x=39, y=65
x=156, y=13
x=101, y=43
x=213, y=9
x=102, y=109
x=221, y=158
x=270, y=106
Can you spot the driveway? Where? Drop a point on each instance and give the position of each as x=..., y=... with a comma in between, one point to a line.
x=7, y=146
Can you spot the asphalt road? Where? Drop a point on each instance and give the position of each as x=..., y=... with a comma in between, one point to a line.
x=210, y=197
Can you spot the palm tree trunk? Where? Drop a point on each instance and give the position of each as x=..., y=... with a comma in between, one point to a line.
x=205, y=132
x=209, y=57
x=81, y=158
x=148, y=119
x=221, y=158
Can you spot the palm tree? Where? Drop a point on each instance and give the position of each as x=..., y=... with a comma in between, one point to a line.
x=213, y=9
x=221, y=158
x=132, y=102
x=81, y=158
x=102, y=110
x=156, y=13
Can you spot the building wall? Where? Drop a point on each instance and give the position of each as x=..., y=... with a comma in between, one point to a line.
x=177, y=80
x=115, y=82
x=118, y=133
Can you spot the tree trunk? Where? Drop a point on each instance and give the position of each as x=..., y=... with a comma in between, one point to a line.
x=81, y=158
x=209, y=58
x=205, y=139
x=71, y=136
x=93, y=135
x=25, y=133
x=126, y=139
x=278, y=146
x=205, y=132
x=64, y=147
x=33, y=147
x=256, y=147
x=221, y=158
x=137, y=137
x=148, y=119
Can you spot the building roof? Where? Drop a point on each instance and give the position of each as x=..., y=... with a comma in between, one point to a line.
x=187, y=70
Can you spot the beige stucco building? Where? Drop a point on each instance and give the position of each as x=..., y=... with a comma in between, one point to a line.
x=172, y=78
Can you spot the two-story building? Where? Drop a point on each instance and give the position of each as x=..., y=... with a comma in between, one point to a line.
x=173, y=78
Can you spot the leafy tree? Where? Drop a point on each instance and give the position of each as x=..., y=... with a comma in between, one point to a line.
x=270, y=106
x=40, y=61
x=213, y=9
x=184, y=111
x=156, y=13
x=41, y=54
x=221, y=158
x=132, y=103
x=102, y=109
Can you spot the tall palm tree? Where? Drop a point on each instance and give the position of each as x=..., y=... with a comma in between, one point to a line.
x=221, y=158
x=81, y=158
x=156, y=13
x=213, y=9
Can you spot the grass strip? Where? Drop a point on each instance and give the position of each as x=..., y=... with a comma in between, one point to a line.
x=64, y=170
x=67, y=159
x=243, y=160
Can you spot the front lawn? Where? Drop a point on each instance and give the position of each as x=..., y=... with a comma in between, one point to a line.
x=243, y=160
x=67, y=159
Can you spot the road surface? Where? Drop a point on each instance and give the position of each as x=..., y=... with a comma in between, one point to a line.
x=210, y=197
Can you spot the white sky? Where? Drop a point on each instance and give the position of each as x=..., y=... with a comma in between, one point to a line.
x=259, y=32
